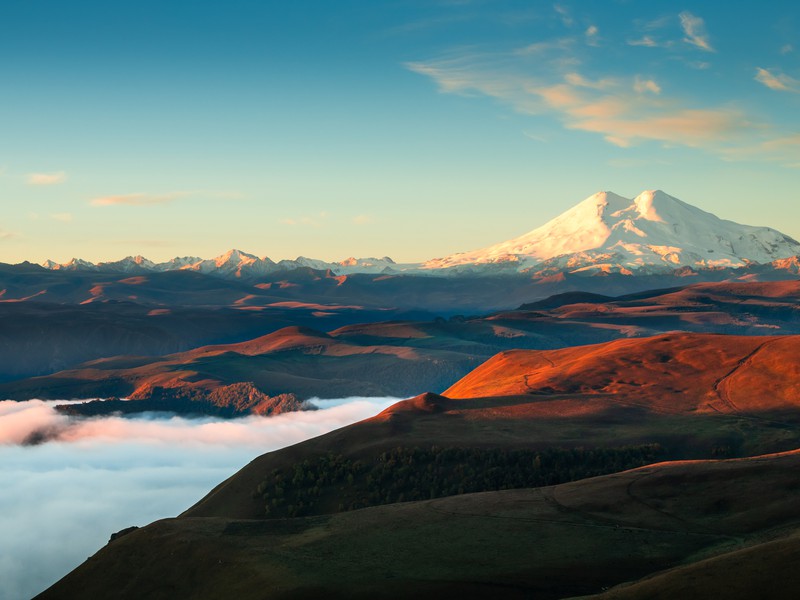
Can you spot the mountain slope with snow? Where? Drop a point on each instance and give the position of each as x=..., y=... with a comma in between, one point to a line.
x=651, y=233
x=612, y=233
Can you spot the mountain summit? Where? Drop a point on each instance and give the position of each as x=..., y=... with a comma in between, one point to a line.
x=612, y=233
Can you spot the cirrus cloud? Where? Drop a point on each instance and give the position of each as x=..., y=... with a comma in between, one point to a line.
x=46, y=178
x=549, y=78
x=606, y=106
x=362, y=220
x=695, y=29
x=641, y=86
x=317, y=220
x=147, y=199
x=138, y=199
x=777, y=81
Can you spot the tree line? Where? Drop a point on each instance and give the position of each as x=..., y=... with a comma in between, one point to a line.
x=334, y=483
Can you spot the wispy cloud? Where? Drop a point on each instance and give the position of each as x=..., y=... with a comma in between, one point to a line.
x=784, y=149
x=640, y=86
x=634, y=163
x=787, y=49
x=46, y=178
x=659, y=33
x=561, y=78
x=777, y=81
x=63, y=217
x=591, y=34
x=362, y=219
x=690, y=127
x=564, y=15
x=138, y=199
x=138, y=243
x=578, y=80
x=147, y=199
x=543, y=47
x=535, y=137
x=646, y=41
x=661, y=22
x=317, y=220
x=616, y=108
x=694, y=29
x=7, y=235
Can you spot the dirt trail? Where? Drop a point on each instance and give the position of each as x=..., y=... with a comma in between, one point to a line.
x=528, y=385
x=721, y=390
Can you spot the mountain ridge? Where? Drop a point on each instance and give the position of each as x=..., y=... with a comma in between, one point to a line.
x=606, y=233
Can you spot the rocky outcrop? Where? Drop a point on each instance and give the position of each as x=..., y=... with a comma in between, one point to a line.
x=232, y=400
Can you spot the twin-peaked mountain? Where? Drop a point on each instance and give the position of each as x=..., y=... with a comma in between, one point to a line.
x=651, y=233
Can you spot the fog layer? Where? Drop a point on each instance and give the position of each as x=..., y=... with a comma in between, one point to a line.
x=61, y=499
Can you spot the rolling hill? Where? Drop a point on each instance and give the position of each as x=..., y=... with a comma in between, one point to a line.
x=553, y=541
x=396, y=358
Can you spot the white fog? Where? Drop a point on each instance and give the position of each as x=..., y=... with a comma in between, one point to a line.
x=61, y=499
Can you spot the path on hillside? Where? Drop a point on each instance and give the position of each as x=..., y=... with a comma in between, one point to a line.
x=721, y=390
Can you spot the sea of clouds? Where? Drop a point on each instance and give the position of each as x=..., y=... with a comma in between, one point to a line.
x=67, y=483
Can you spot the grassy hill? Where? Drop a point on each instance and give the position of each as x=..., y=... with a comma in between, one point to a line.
x=552, y=542
x=498, y=497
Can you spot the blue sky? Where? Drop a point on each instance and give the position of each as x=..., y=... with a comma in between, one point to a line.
x=408, y=128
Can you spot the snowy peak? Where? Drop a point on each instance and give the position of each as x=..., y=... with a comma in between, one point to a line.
x=583, y=227
x=76, y=264
x=179, y=263
x=236, y=258
x=653, y=231
x=646, y=204
x=235, y=263
x=365, y=262
x=129, y=264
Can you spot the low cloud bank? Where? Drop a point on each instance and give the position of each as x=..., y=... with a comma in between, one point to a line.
x=36, y=421
x=61, y=498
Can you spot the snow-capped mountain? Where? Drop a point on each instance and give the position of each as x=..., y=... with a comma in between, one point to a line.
x=76, y=264
x=232, y=264
x=235, y=263
x=129, y=264
x=653, y=231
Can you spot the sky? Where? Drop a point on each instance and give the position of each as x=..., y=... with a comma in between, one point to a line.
x=94, y=477
x=407, y=128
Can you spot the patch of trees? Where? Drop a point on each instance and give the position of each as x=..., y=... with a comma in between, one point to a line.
x=333, y=483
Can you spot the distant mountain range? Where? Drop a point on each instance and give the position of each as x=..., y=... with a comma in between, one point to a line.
x=233, y=263
x=606, y=233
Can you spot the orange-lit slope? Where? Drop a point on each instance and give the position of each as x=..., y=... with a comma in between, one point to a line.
x=671, y=373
